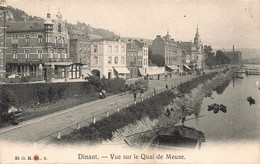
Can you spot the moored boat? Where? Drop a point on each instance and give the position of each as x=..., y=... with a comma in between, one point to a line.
x=216, y=108
x=223, y=108
x=252, y=71
x=178, y=137
x=251, y=100
x=211, y=107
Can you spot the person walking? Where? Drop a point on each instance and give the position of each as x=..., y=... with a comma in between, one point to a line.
x=166, y=87
x=134, y=95
x=142, y=93
x=154, y=91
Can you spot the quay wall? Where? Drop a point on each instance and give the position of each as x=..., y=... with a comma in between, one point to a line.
x=143, y=116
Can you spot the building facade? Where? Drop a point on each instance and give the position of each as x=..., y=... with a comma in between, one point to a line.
x=38, y=49
x=2, y=39
x=132, y=59
x=137, y=58
x=234, y=56
x=108, y=59
x=79, y=54
x=168, y=49
x=193, y=53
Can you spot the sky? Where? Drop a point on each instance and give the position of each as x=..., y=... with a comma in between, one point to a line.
x=221, y=24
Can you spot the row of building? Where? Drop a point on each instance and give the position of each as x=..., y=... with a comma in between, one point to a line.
x=47, y=50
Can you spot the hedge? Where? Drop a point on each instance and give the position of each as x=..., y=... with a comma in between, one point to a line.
x=153, y=107
x=25, y=95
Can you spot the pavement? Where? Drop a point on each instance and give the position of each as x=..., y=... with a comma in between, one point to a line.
x=46, y=128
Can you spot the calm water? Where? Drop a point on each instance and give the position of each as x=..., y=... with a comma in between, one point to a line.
x=240, y=122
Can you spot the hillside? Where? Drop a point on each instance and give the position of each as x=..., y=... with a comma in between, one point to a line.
x=248, y=53
x=14, y=14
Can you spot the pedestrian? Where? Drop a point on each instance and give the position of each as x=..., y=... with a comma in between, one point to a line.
x=166, y=87
x=134, y=95
x=166, y=77
x=154, y=91
x=142, y=93
x=170, y=75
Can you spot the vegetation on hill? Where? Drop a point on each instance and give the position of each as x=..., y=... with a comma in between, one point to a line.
x=15, y=14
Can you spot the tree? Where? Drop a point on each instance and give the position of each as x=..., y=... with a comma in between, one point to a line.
x=157, y=59
x=221, y=58
x=210, y=59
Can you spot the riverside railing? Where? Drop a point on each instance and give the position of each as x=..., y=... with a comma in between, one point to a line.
x=103, y=113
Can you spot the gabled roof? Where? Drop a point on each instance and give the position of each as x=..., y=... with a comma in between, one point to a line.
x=25, y=26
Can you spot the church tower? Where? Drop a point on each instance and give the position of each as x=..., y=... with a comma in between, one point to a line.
x=197, y=40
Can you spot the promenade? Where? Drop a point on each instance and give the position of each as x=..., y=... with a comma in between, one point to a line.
x=44, y=129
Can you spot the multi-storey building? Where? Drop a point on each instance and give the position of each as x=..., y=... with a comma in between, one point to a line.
x=38, y=49
x=132, y=59
x=108, y=59
x=168, y=49
x=137, y=58
x=79, y=54
x=193, y=52
x=142, y=56
x=234, y=56
x=2, y=39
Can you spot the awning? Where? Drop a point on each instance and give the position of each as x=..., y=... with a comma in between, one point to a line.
x=186, y=66
x=123, y=70
x=86, y=72
x=173, y=67
x=59, y=63
x=154, y=70
x=141, y=70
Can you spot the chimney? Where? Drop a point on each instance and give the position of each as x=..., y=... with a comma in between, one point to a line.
x=233, y=48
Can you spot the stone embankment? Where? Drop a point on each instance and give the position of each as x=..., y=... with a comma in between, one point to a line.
x=137, y=135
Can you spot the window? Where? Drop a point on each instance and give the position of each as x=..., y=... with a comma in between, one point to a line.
x=14, y=54
x=95, y=60
x=109, y=60
x=51, y=54
x=116, y=60
x=66, y=56
x=27, y=39
x=123, y=49
x=59, y=55
x=123, y=60
x=116, y=49
x=56, y=40
x=15, y=37
x=95, y=49
x=109, y=49
x=39, y=54
x=40, y=38
x=27, y=54
x=59, y=27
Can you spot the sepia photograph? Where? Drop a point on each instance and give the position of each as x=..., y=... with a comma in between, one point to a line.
x=127, y=81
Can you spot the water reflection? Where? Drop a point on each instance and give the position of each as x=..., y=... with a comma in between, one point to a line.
x=221, y=88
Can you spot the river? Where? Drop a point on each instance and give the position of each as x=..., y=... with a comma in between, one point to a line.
x=240, y=122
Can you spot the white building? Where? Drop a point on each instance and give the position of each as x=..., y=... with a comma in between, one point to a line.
x=108, y=59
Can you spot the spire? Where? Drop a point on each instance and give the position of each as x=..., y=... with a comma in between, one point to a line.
x=197, y=40
x=48, y=19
